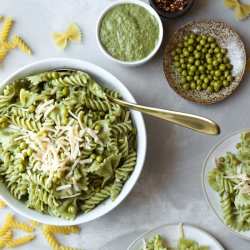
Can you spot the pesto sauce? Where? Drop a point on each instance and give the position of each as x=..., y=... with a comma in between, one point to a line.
x=129, y=32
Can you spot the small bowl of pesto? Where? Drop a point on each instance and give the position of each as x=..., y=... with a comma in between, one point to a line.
x=129, y=32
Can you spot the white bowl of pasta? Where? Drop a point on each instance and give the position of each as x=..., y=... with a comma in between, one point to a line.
x=64, y=148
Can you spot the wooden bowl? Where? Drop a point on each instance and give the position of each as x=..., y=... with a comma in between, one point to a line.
x=227, y=38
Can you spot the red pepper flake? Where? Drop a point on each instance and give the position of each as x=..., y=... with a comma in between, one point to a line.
x=171, y=5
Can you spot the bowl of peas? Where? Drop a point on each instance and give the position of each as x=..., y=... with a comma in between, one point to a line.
x=204, y=61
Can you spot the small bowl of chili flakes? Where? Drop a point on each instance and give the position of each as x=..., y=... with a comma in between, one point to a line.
x=171, y=8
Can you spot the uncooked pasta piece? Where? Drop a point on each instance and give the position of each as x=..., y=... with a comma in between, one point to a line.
x=21, y=226
x=6, y=225
x=18, y=42
x=241, y=10
x=2, y=204
x=62, y=229
x=73, y=33
x=7, y=26
x=20, y=241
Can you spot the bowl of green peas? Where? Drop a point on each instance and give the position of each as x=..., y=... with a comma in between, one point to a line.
x=204, y=61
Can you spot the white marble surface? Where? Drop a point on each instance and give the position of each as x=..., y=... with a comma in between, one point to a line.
x=169, y=189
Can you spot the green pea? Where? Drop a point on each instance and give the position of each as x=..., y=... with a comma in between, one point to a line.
x=201, y=68
x=193, y=68
x=197, y=63
x=193, y=86
x=206, y=80
x=226, y=73
x=183, y=80
x=197, y=55
x=71, y=209
x=190, y=41
x=210, y=89
x=210, y=39
x=215, y=63
x=209, y=67
x=213, y=45
x=176, y=58
x=229, y=66
x=189, y=78
x=216, y=50
x=178, y=50
x=23, y=145
x=99, y=158
x=186, y=53
x=203, y=41
x=223, y=50
x=183, y=66
x=217, y=73
x=191, y=60
x=182, y=60
x=204, y=85
x=225, y=83
x=230, y=78
x=199, y=47
x=199, y=81
x=210, y=51
x=177, y=64
x=184, y=73
x=222, y=67
x=198, y=88
x=186, y=86
x=93, y=156
x=21, y=167
x=98, y=127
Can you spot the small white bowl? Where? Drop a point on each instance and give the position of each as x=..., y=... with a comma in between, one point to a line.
x=228, y=144
x=108, y=80
x=151, y=11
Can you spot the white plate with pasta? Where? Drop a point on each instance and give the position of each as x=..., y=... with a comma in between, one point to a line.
x=176, y=236
x=65, y=149
x=225, y=180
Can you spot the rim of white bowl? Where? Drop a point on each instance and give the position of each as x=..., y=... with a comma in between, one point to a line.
x=142, y=236
x=204, y=180
x=151, y=11
x=106, y=206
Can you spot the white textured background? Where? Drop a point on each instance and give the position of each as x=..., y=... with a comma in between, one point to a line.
x=169, y=189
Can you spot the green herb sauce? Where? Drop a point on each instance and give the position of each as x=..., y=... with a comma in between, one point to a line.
x=129, y=32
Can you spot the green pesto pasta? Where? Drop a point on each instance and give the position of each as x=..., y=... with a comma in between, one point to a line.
x=231, y=180
x=64, y=147
x=158, y=243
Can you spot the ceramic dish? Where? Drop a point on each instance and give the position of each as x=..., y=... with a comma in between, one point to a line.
x=227, y=38
x=109, y=81
x=171, y=232
x=165, y=15
x=151, y=11
x=226, y=145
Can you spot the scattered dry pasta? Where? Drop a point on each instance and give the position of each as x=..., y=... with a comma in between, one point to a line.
x=21, y=226
x=49, y=231
x=241, y=10
x=17, y=42
x=6, y=29
x=2, y=204
x=20, y=241
x=73, y=33
x=62, y=230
